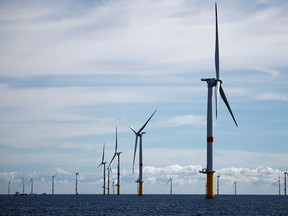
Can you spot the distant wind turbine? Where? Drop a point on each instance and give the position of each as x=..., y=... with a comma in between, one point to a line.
x=139, y=134
x=218, y=176
x=76, y=187
x=31, y=181
x=53, y=178
x=118, y=164
x=235, y=188
x=217, y=83
x=9, y=187
x=113, y=184
x=108, y=171
x=279, y=185
x=23, y=184
x=170, y=180
x=104, y=170
x=285, y=173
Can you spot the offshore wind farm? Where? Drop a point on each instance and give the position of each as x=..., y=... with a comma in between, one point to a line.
x=71, y=71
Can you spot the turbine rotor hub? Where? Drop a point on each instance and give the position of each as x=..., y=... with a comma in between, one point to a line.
x=211, y=81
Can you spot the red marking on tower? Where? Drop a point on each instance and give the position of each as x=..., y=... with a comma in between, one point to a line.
x=210, y=139
x=141, y=164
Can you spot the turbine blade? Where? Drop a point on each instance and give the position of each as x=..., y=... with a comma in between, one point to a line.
x=216, y=46
x=129, y=126
x=103, y=153
x=112, y=160
x=146, y=122
x=227, y=104
x=217, y=96
x=99, y=165
x=116, y=143
x=135, y=148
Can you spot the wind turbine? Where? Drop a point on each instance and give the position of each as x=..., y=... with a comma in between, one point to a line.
x=113, y=183
x=285, y=173
x=31, y=181
x=217, y=83
x=279, y=185
x=104, y=171
x=9, y=187
x=139, y=134
x=170, y=180
x=118, y=164
x=23, y=184
x=53, y=177
x=76, y=188
x=218, y=176
x=109, y=171
x=235, y=188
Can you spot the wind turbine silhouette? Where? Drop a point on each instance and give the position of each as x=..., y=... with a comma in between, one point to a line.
x=104, y=170
x=76, y=187
x=218, y=176
x=285, y=173
x=31, y=181
x=139, y=134
x=170, y=180
x=279, y=185
x=23, y=184
x=108, y=171
x=235, y=187
x=118, y=164
x=53, y=178
x=9, y=187
x=217, y=83
x=113, y=184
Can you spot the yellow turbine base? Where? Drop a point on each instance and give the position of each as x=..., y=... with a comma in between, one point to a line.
x=210, y=185
x=108, y=190
x=141, y=189
x=104, y=191
x=118, y=189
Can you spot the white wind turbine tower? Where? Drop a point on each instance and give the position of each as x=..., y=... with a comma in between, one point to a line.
x=113, y=183
x=217, y=83
x=118, y=164
x=53, y=178
x=285, y=173
x=31, y=181
x=108, y=171
x=279, y=185
x=170, y=180
x=9, y=187
x=23, y=184
x=235, y=188
x=76, y=187
x=139, y=134
x=104, y=170
x=218, y=176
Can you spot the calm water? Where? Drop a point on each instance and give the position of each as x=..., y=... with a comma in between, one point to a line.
x=146, y=205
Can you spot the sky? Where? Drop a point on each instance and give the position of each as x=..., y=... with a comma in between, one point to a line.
x=71, y=70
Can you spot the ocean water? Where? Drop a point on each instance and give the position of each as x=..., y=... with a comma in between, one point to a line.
x=146, y=205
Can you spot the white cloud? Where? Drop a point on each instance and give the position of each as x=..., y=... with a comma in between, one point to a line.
x=182, y=176
x=187, y=120
x=272, y=96
x=153, y=34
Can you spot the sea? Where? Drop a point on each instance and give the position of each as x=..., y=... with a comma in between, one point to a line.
x=145, y=205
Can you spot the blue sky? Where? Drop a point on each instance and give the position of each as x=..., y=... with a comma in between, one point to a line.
x=69, y=70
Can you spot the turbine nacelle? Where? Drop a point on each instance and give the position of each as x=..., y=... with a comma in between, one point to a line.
x=217, y=83
x=140, y=134
x=212, y=81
